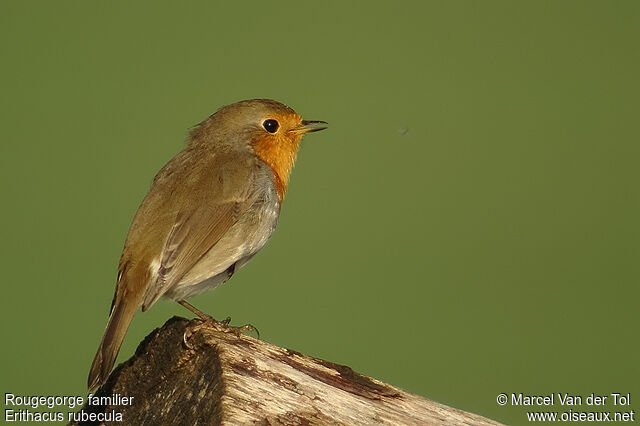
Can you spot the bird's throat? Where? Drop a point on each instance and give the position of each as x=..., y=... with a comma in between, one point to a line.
x=280, y=157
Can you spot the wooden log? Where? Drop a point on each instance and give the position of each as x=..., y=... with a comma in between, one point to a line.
x=223, y=377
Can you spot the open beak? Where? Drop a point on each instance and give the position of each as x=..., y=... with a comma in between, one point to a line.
x=308, y=126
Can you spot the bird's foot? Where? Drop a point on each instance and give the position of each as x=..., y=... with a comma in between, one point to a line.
x=248, y=328
x=208, y=320
x=220, y=325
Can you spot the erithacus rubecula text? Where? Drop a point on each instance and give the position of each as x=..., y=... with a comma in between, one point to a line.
x=210, y=209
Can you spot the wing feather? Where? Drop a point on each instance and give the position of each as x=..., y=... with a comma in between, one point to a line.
x=196, y=210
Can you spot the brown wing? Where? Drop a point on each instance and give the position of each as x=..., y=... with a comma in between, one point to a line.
x=192, y=236
x=192, y=203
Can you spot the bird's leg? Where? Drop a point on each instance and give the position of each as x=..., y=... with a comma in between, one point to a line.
x=198, y=312
x=206, y=318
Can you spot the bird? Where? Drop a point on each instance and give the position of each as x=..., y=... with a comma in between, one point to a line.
x=209, y=210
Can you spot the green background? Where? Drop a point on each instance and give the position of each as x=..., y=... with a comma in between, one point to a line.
x=468, y=225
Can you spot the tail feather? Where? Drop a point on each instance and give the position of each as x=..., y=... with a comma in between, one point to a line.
x=119, y=320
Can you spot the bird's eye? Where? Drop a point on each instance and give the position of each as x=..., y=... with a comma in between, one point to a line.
x=270, y=126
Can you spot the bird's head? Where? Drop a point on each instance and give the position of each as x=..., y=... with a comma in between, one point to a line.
x=269, y=129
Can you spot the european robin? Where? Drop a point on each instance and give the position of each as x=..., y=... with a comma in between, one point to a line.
x=210, y=209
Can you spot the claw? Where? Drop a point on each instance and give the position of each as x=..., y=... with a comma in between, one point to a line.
x=190, y=331
x=185, y=339
x=250, y=328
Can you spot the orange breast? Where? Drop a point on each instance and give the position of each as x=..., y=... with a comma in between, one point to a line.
x=279, y=153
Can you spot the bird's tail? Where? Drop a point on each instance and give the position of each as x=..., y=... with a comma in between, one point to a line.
x=121, y=315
